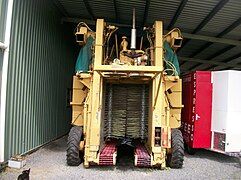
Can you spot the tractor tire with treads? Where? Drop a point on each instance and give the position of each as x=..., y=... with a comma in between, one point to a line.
x=176, y=158
x=73, y=153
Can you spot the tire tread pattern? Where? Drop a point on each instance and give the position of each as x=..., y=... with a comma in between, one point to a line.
x=177, y=156
x=73, y=154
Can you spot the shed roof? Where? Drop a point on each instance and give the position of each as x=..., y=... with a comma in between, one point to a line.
x=211, y=18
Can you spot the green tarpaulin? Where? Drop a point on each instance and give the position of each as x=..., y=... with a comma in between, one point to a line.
x=170, y=56
x=85, y=55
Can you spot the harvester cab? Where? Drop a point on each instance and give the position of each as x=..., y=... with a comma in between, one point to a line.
x=126, y=98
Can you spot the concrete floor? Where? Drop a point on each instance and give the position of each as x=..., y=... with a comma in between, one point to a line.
x=49, y=163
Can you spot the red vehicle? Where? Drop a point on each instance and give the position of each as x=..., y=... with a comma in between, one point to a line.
x=197, y=111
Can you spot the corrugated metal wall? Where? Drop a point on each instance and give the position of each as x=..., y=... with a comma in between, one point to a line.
x=3, y=5
x=3, y=8
x=1, y=68
x=41, y=65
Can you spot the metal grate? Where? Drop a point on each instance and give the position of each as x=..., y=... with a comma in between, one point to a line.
x=126, y=111
x=219, y=141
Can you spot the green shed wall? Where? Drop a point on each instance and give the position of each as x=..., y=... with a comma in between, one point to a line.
x=3, y=9
x=41, y=65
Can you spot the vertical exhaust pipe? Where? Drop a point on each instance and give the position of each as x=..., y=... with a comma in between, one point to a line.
x=133, y=31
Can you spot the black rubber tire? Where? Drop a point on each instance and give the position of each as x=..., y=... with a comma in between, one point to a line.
x=73, y=153
x=176, y=158
x=190, y=150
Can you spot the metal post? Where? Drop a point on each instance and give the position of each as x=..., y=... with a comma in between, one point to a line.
x=133, y=31
x=4, y=77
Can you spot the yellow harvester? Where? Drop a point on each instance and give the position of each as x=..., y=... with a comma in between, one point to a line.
x=128, y=100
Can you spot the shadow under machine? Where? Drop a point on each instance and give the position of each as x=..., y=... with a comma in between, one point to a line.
x=126, y=99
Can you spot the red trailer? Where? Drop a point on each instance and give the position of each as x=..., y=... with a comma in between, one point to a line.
x=197, y=111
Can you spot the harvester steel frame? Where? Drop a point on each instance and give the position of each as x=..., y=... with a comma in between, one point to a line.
x=165, y=100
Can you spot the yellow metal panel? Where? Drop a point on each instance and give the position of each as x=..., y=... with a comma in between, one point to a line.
x=174, y=97
x=174, y=94
x=156, y=116
x=126, y=68
x=99, y=42
x=175, y=119
x=78, y=115
x=79, y=91
x=86, y=112
x=96, y=111
x=158, y=44
x=93, y=129
x=78, y=97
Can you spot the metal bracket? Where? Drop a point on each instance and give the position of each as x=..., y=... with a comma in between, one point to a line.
x=3, y=46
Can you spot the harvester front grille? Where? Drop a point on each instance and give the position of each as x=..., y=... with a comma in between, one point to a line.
x=126, y=111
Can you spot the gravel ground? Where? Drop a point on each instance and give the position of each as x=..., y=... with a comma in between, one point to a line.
x=49, y=163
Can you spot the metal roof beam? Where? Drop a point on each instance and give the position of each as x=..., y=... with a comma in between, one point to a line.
x=212, y=39
x=214, y=11
x=91, y=22
x=61, y=8
x=232, y=58
x=186, y=35
x=217, y=8
x=227, y=61
x=230, y=28
x=224, y=32
x=215, y=55
x=217, y=63
x=221, y=52
x=146, y=12
x=116, y=12
x=178, y=12
x=87, y=6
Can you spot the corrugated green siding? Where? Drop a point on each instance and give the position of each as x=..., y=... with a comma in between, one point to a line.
x=40, y=70
x=3, y=11
x=1, y=67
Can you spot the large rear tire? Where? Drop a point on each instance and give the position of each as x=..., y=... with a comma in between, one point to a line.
x=73, y=153
x=176, y=158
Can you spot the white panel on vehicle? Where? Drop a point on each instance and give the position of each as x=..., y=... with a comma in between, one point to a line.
x=219, y=102
x=226, y=110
